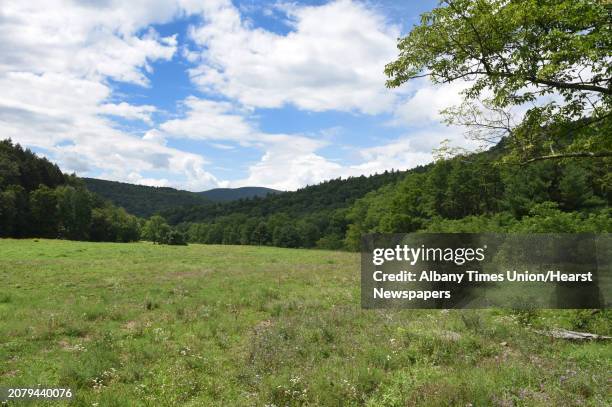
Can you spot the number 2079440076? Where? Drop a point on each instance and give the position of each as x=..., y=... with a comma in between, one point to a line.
x=28, y=393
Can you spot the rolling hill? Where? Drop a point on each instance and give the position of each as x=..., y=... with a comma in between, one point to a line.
x=233, y=194
x=324, y=197
x=144, y=201
x=141, y=200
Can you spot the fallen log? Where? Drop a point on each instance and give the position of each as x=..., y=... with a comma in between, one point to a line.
x=559, y=333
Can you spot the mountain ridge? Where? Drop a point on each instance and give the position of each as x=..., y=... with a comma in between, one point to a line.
x=232, y=194
x=144, y=200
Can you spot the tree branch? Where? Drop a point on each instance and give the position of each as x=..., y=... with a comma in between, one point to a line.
x=584, y=154
x=532, y=79
x=569, y=85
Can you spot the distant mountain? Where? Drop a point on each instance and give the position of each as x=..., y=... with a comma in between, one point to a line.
x=141, y=200
x=317, y=200
x=233, y=194
x=144, y=201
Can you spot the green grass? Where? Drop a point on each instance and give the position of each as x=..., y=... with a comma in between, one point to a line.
x=138, y=324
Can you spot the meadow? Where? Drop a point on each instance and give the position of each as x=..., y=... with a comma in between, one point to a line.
x=141, y=324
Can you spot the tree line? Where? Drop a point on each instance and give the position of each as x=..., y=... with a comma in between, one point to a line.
x=467, y=193
x=38, y=200
x=140, y=200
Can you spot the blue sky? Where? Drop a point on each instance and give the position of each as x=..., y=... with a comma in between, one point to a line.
x=200, y=94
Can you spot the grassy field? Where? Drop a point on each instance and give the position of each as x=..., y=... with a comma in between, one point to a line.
x=138, y=324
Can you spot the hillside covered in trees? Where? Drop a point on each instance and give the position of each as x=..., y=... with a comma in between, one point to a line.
x=38, y=200
x=326, y=196
x=141, y=200
x=145, y=201
x=233, y=194
x=309, y=217
x=548, y=168
x=468, y=193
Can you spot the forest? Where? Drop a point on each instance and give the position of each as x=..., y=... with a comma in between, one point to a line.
x=141, y=200
x=38, y=200
x=467, y=193
x=145, y=201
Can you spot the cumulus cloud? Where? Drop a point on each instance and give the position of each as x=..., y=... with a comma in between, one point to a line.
x=207, y=119
x=59, y=58
x=291, y=161
x=56, y=59
x=331, y=59
x=86, y=39
x=128, y=111
x=291, y=165
x=422, y=107
x=288, y=169
x=287, y=161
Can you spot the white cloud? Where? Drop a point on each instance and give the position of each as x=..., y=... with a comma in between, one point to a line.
x=127, y=111
x=287, y=162
x=423, y=106
x=290, y=161
x=291, y=165
x=289, y=168
x=207, y=119
x=56, y=59
x=91, y=39
x=67, y=125
x=332, y=59
x=410, y=150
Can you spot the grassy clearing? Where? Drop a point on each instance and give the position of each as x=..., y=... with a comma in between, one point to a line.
x=138, y=324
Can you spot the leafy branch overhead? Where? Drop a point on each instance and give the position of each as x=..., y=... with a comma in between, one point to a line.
x=549, y=60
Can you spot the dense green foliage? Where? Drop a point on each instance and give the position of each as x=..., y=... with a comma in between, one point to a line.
x=468, y=193
x=234, y=194
x=314, y=216
x=141, y=200
x=472, y=193
x=38, y=200
x=514, y=54
x=518, y=53
x=326, y=196
x=145, y=201
x=157, y=230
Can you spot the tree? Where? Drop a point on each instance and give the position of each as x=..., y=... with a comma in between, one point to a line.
x=176, y=238
x=74, y=207
x=261, y=235
x=231, y=234
x=112, y=224
x=309, y=233
x=44, y=210
x=516, y=53
x=126, y=226
x=246, y=230
x=528, y=187
x=37, y=199
x=9, y=171
x=286, y=236
x=197, y=232
x=156, y=229
x=215, y=234
x=576, y=190
x=8, y=212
